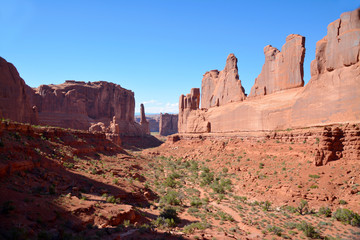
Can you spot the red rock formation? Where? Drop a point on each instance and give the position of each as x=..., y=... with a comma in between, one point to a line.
x=80, y=105
x=219, y=88
x=14, y=102
x=331, y=96
x=281, y=70
x=143, y=122
x=168, y=124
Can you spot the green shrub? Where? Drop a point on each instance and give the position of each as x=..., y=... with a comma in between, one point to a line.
x=170, y=182
x=68, y=165
x=172, y=198
x=266, y=206
x=207, y=177
x=326, y=211
x=195, y=201
x=221, y=186
x=168, y=218
x=342, y=202
x=303, y=207
x=347, y=216
x=308, y=230
x=193, y=226
x=274, y=229
x=112, y=199
x=314, y=176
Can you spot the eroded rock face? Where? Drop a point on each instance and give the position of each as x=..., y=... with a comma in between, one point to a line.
x=14, y=102
x=219, y=88
x=80, y=105
x=143, y=122
x=340, y=47
x=168, y=124
x=332, y=96
x=281, y=70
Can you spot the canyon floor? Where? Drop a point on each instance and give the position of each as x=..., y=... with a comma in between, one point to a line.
x=65, y=184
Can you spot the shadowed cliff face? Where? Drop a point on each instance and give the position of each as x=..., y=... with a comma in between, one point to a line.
x=14, y=102
x=331, y=96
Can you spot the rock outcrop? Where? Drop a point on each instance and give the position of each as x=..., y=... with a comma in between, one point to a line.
x=219, y=88
x=14, y=102
x=281, y=70
x=81, y=105
x=143, y=122
x=332, y=96
x=168, y=124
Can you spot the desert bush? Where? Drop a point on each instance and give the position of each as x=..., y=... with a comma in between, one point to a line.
x=172, y=198
x=326, y=211
x=266, y=206
x=168, y=218
x=303, y=207
x=207, y=177
x=196, y=201
x=221, y=186
x=112, y=199
x=347, y=216
x=308, y=230
x=274, y=229
x=193, y=226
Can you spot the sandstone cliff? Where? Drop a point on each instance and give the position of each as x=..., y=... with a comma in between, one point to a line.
x=80, y=105
x=331, y=96
x=14, y=102
x=168, y=124
x=219, y=88
x=281, y=70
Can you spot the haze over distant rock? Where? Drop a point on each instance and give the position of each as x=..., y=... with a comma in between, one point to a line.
x=219, y=88
x=281, y=70
x=168, y=124
x=14, y=102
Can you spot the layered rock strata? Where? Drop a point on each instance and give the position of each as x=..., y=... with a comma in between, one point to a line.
x=281, y=70
x=14, y=102
x=331, y=96
x=219, y=88
x=81, y=105
x=168, y=124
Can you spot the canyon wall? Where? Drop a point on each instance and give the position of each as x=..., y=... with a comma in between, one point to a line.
x=14, y=102
x=80, y=105
x=331, y=96
x=168, y=124
x=219, y=88
x=98, y=106
x=281, y=70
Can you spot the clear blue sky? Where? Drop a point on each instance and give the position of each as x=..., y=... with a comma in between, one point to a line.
x=158, y=49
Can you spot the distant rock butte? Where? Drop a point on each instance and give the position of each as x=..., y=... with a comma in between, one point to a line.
x=281, y=70
x=219, y=88
x=81, y=105
x=14, y=102
x=331, y=96
x=168, y=124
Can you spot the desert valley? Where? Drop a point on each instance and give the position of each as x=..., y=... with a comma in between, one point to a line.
x=282, y=162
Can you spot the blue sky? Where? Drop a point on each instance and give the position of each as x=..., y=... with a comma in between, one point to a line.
x=158, y=49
